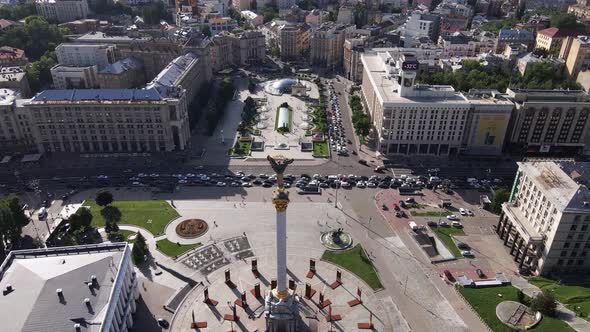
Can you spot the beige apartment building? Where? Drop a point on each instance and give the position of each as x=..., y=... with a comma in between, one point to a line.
x=14, y=135
x=546, y=222
x=237, y=48
x=549, y=121
x=326, y=47
x=353, y=48
x=419, y=119
x=576, y=52
x=186, y=72
x=292, y=39
x=62, y=10
x=125, y=120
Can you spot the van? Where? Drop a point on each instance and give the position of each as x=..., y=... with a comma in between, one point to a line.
x=413, y=225
x=42, y=213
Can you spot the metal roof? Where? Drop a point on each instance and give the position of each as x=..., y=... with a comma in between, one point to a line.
x=98, y=94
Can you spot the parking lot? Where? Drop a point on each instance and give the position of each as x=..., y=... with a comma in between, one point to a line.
x=487, y=252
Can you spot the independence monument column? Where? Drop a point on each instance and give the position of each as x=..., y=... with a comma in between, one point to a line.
x=281, y=306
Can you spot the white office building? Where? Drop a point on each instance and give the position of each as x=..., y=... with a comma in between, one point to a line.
x=83, y=288
x=546, y=222
x=81, y=55
x=62, y=10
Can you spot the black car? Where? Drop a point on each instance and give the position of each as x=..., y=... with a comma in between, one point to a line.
x=267, y=184
x=463, y=246
x=163, y=323
x=257, y=182
x=432, y=223
x=363, y=162
x=480, y=273
x=383, y=185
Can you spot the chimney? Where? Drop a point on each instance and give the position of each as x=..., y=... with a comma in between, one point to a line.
x=59, y=292
x=93, y=279
x=87, y=301
x=77, y=327
x=8, y=288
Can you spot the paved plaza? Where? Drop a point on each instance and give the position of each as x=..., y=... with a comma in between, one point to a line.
x=252, y=317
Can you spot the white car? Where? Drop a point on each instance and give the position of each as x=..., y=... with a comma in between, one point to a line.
x=360, y=184
x=246, y=184
x=462, y=212
x=221, y=184
x=102, y=177
x=182, y=181
x=457, y=224
x=469, y=213
x=452, y=217
x=466, y=253
x=372, y=185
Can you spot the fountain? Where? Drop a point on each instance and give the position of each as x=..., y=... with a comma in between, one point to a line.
x=336, y=240
x=191, y=228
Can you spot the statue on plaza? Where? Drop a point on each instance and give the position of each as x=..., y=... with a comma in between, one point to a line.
x=279, y=165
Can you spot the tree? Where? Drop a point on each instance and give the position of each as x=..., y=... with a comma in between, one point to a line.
x=140, y=249
x=39, y=73
x=111, y=215
x=206, y=30
x=19, y=11
x=500, y=196
x=103, y=198
x=362, y=125
x=306, y=4
x=36, y=37
x=268, y=13
x=80, y=220
x=12, y=220
x=563, y=20
x=544, y=303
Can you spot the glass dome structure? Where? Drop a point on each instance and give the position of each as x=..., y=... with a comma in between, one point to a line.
x=281, y=86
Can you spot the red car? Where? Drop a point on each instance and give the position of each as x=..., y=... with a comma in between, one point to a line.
x=395, y=207
x=449, y=275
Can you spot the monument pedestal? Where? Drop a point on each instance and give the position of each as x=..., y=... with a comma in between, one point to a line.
x=281, y=314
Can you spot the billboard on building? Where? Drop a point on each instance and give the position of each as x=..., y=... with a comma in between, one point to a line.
x=491, y=130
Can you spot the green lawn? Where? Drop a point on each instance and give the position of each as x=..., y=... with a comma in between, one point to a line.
x=576, y=298
x=431, y=214
x=320, y=149
x=152, y=215
x=415, y=206
x=355, y=261
x=444, y=234
x=485, y=300
x=172, y=249
x=245, y=147
x=126, y=234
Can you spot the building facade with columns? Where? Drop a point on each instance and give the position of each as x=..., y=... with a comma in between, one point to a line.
x=108, y=120
x=79, y=288
x=546, y=222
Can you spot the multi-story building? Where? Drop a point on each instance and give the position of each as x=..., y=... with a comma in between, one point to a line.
x=218, y=24
x=457, y=45
x=515, y=36
x=345, y=14
x=155, y=55
x=10, y=56
x=354, y=46
x=6, y=25
x=291, y=39
x=549, y=121
x=487, y=122
x=252, y=18
x=581, y=9
x=576, y=52
x=422, y=25
x=317, y=17
x=546, y=222
x=241, y=5
x=62, y=10
x=108, y=120
x=94, y=287
x=123, y=74
x=422, y=119
x=15, y=78
x=551, y=39
x=65, y=77
x=81, y=55
x=79, y=27
x=13, y=136
x=187, y=72
x=326, y=47
x=239, y=48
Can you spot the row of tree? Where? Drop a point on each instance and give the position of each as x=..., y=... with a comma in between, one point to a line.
x=216, y=106
x=360, y=120
x=12, y=221
x=542, y=75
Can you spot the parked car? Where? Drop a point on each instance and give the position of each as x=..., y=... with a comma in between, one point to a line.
x=363, y=162
x=466, y=253
x=462, y=212
x=463, y=246
x=431, y=223
x=396, y=207
x=480, y=273
x=457, y=224
x=449, y=275
x=452, y=217
x=163, y=323
x=443, y=223
x=469, y=213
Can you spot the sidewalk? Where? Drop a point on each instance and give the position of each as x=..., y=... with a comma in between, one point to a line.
x=564, y=313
